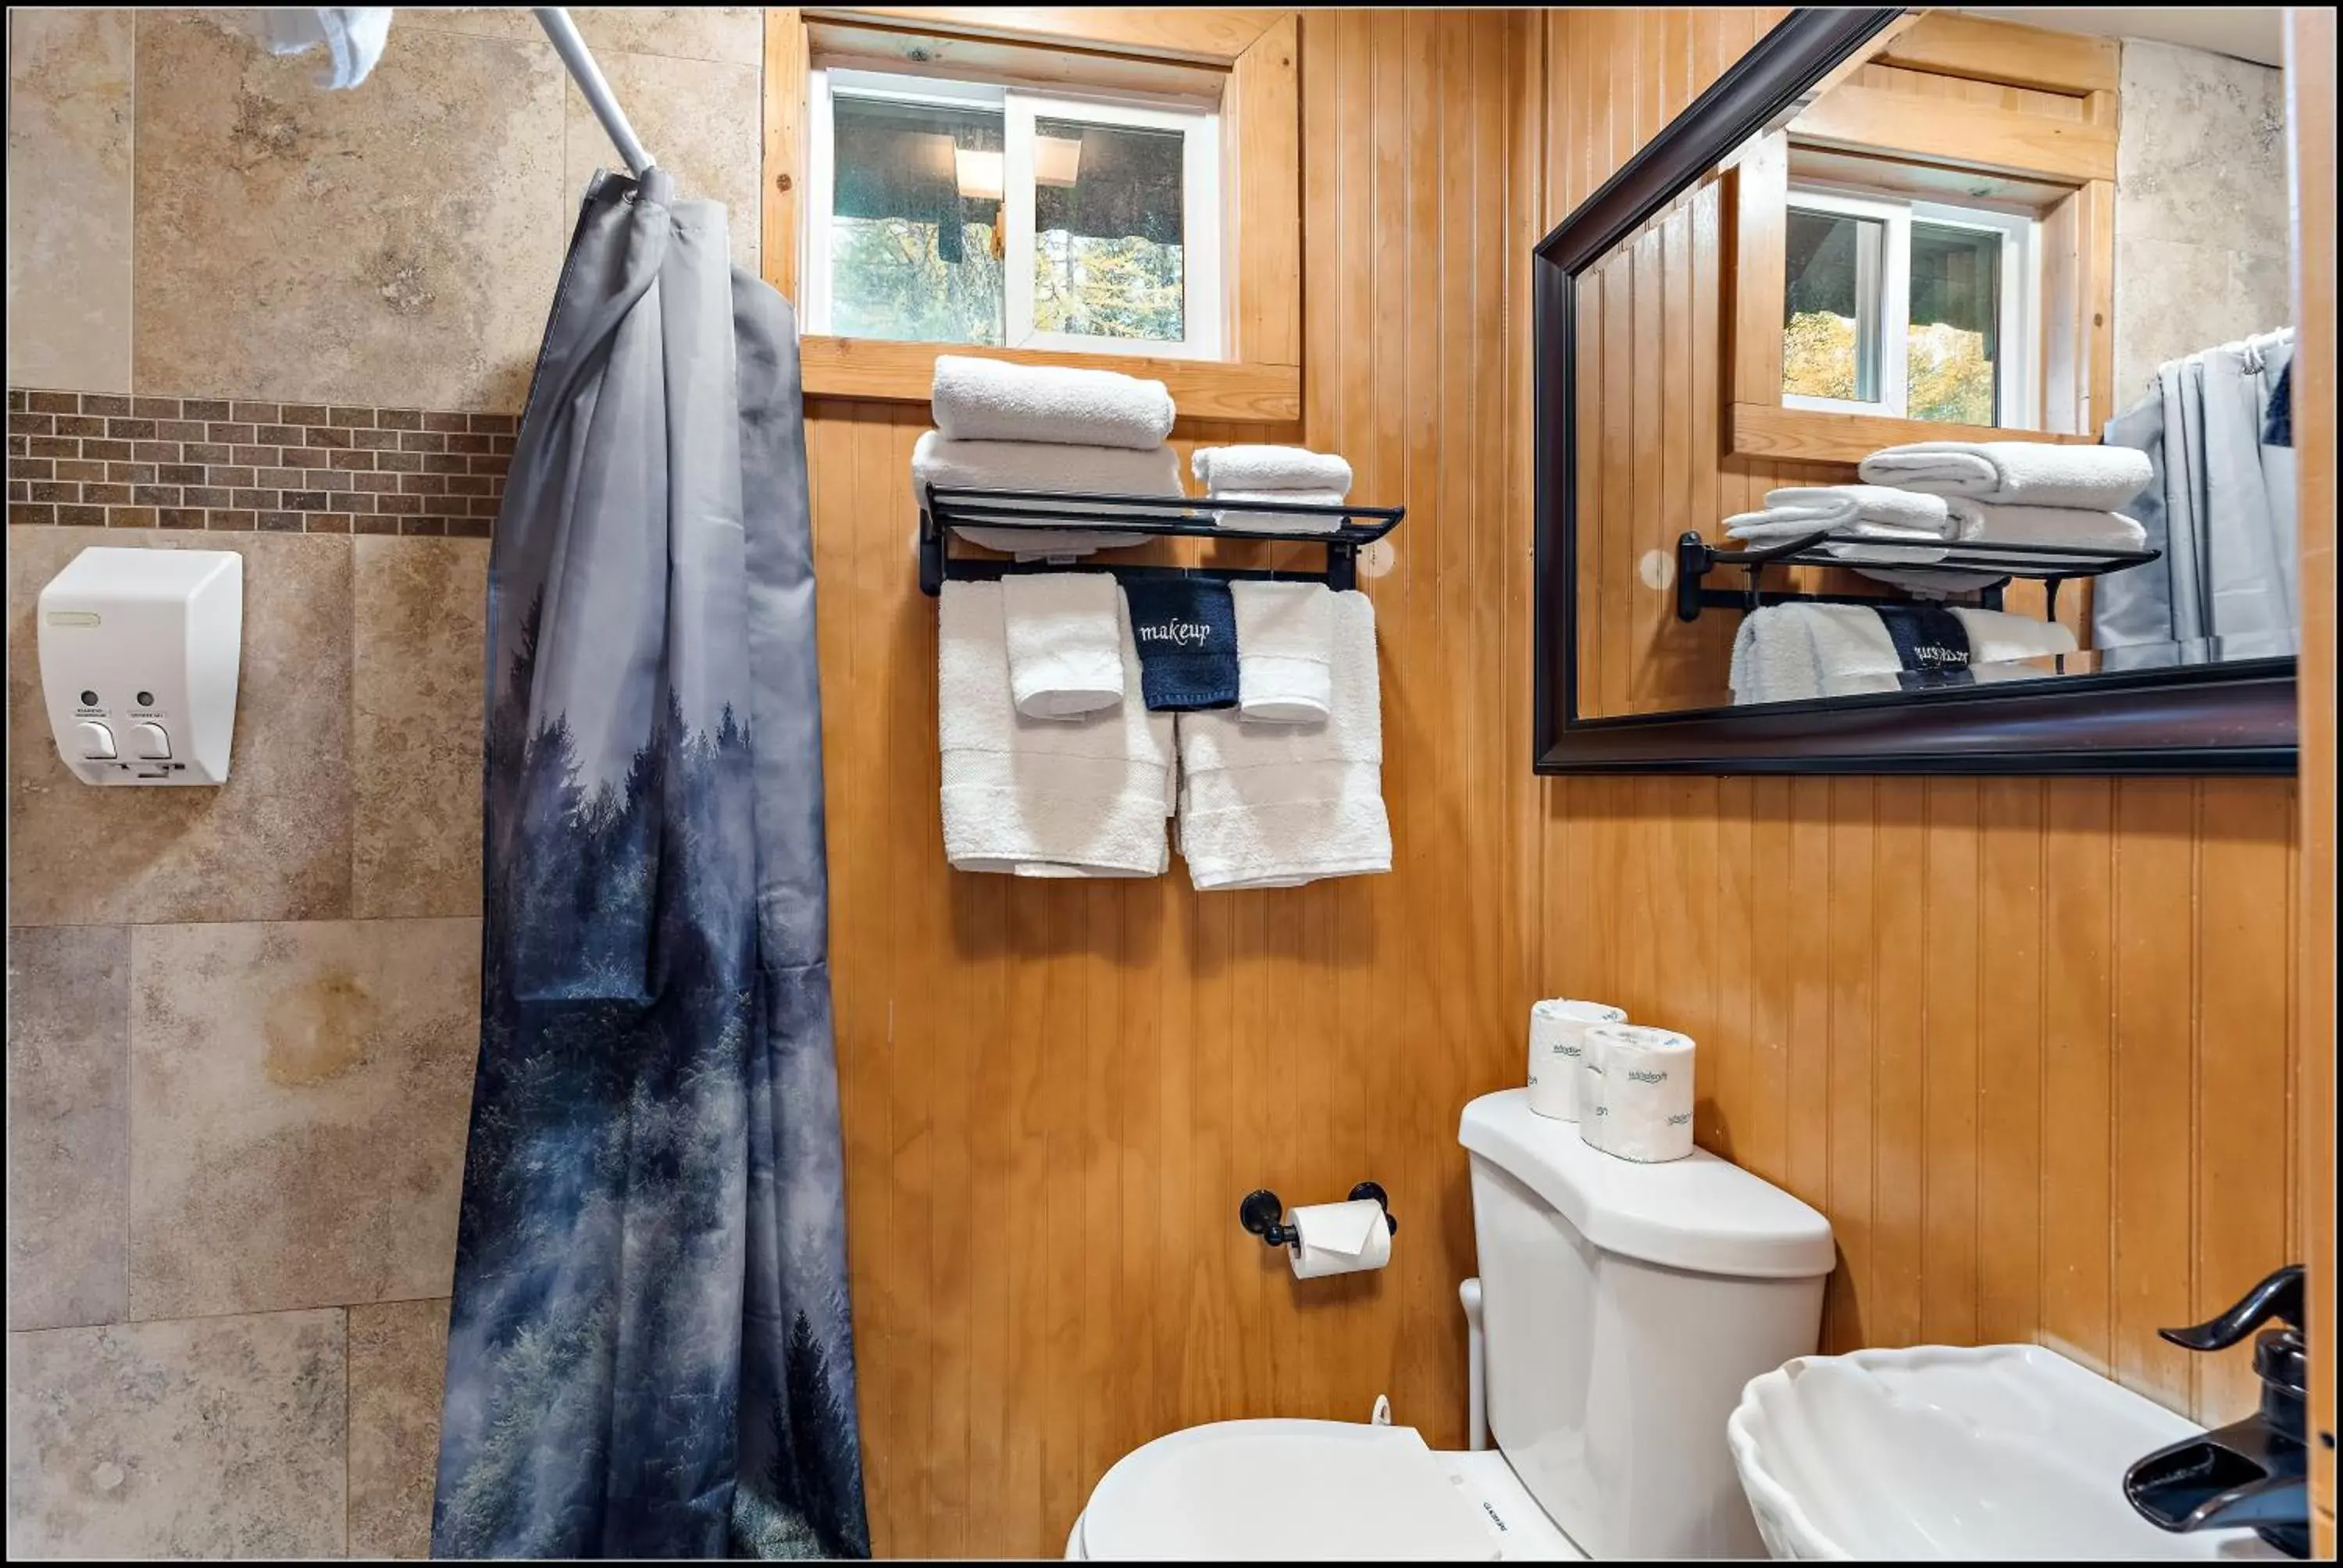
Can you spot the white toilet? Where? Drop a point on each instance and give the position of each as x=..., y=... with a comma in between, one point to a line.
x=1624, y=1305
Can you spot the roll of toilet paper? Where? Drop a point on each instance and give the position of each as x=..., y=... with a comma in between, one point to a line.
x=1339, y=1239
x=1556, y=1062
x=1637, y=1099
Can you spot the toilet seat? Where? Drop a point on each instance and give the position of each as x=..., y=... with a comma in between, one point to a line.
x=1254, y=1490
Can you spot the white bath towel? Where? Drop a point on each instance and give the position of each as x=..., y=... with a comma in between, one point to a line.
x=1254, y=519
x=1031, y=466
x=1257, y=467
x=2014, y=473
x=1065, y=642
x=1276, y=805
x=1285, y=641
x=1043, y=796
x=993, y=400
x=1810, y=506
x=1990, y=522
x=1791, y=652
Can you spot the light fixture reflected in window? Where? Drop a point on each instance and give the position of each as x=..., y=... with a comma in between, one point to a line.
x=979, y=174
x=1057, y=160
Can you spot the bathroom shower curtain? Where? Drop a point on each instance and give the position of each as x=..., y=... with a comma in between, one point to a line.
x=649, y=1351
x=2221, y=508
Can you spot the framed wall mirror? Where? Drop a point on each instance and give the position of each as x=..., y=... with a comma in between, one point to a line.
x=1917, y=402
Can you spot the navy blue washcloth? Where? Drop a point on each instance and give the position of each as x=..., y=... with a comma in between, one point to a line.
x=1186, y=628
x=1931, y=644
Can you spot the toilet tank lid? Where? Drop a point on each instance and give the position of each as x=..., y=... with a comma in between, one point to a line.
x=1701, y=1213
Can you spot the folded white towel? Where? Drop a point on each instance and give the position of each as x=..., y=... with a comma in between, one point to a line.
x=1285, y=640
x=1032, y=466
x=1042, y=797
x=1276, y=805
x=2016, y=473
x=2088, y=529
x=993, y=400
x=1847, y=506
x=1260, y=467
x=1065, y=642
x=1248, y=520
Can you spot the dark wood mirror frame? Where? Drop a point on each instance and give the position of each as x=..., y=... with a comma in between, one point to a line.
x=2231, y=718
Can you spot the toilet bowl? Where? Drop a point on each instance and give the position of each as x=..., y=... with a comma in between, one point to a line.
x=1624, y=1307
x=1271, y=1491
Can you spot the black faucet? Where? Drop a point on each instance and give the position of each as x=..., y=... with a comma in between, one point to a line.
x=2252, y=1473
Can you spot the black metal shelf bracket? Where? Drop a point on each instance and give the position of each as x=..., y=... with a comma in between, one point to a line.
x=943, y=508
x=2051, y=565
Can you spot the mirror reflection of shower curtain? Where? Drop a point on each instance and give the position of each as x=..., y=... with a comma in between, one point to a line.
x=2221, y=508
x=649, y=1352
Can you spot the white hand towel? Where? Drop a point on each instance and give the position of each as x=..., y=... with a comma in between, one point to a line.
x=1248, y=520
x=1065, y=642
x=2016, y=473
x=993, y=400
x=1845, y=506
x=1773, y=657
x=354, y=36
x=1042, y=797
x=1285, y=643
x=1996, y=637
x=1991, y=522
x=1276, y=805
x=1031, y=465
x=1256, y=467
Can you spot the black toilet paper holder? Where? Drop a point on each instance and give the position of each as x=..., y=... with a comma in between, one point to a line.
x=1262, y=1211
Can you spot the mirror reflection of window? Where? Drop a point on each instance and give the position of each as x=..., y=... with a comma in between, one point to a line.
x=1907, y=309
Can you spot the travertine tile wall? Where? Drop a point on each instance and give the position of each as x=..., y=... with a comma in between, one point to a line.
x=241, y=1021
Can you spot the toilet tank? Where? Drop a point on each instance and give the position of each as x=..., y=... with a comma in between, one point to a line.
x=1624, y=1307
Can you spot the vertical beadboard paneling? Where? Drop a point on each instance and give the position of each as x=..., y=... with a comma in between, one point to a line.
x=1055, y=1094
x=2025, y=1040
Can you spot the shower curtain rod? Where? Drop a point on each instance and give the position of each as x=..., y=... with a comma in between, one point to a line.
x=563, y=32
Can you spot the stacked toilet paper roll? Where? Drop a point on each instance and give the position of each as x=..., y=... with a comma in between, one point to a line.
x=1635, y=1094
x=1557, y=1028
x=1339, y=1239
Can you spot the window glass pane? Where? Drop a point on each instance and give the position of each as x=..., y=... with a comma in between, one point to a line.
x=1830, y=315
x=915, y=234
x=1953, y=372
x=1109, y=259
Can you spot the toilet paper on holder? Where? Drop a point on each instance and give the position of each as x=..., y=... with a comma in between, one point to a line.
x=1324, y=1239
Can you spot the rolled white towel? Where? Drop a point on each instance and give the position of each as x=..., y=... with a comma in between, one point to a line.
x=1065, y=642
x=1847, y=506
x=1262, y=467
x=1276, y=805
x=1250, y=519
x=2014, y=473
x=1042, y=797
x=1285, y=641
x=978, y=399
x=1034, y=466
x=1990, y=522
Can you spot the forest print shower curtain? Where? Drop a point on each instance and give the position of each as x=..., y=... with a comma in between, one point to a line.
x=649, y=1352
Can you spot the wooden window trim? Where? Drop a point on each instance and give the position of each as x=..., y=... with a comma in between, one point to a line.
x=1254, y=55
x=2075, y=156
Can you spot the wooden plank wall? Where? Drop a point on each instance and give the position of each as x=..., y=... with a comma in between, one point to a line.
x=1055, y=1094
x=2027, y=1042
x=2018, y=1038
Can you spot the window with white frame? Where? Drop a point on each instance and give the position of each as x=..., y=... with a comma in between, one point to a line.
x=965, y=212
x=1911, y=310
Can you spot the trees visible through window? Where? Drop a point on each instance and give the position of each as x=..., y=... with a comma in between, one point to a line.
x=956, y=212
x=1909, y=309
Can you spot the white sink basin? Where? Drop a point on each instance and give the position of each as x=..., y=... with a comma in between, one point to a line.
x=2006, y=1451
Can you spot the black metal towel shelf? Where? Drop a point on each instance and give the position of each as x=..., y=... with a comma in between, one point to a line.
x=2049, y=563
x=945, y=508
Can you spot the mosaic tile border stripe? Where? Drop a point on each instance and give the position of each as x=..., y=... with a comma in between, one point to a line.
x=105, y=460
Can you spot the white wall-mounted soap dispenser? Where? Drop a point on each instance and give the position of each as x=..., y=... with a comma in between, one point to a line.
x=139, y=657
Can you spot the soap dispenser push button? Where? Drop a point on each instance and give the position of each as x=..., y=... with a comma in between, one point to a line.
x=149, y=743
x=97, y=742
